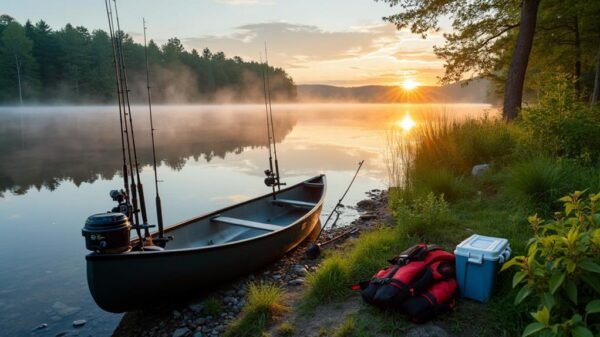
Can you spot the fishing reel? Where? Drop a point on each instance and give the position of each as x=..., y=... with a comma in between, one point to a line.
x=123, y=205
x=272, y=179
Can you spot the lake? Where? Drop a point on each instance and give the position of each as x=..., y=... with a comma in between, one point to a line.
x=58, y=164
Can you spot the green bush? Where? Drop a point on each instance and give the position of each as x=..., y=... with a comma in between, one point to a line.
x=428, y=218
x=561, y=270
x=540, y=180
x=562, y=122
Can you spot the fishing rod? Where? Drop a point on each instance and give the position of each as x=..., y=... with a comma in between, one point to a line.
x=125, y=90
x=129, y=207
x=117, y=86
x=314, y=251
x=270, y=180
x=277, y=177
x=158, y=202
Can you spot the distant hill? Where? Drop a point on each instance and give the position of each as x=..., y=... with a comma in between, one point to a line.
x=477, y=91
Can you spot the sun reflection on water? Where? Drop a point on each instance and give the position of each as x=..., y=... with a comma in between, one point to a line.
x=406, y=123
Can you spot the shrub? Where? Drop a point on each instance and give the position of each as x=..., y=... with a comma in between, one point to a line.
x=427, y=217
x=263, y=305
x=561, y=270
x=562, y=122
x=540, y=179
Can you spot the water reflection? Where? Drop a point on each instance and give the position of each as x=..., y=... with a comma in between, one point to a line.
x=58, y=164
x=42, y=147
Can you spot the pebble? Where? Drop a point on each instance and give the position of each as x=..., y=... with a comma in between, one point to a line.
x=196, y=307
x=176, y=314
x=296, y=282
x=198, y=334
x=299, y=269
x=368, y=216
x=40, y=327
x=79, y=323
x=181, y=332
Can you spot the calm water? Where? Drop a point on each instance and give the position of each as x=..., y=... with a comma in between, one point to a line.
x=57, y=165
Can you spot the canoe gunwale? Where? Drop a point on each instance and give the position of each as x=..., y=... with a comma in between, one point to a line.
x=137, y=255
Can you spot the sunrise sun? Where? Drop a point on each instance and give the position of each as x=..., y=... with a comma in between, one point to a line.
x=409, y=84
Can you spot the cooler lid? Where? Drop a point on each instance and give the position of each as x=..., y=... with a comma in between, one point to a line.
x=489, y=248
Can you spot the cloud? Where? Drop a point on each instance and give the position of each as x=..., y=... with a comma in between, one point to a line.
x=311, y=54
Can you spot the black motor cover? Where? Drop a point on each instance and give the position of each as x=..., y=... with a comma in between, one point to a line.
x=107, y=233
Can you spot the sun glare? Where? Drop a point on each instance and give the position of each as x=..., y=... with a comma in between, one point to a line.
x=406, y=123
x=409, y=84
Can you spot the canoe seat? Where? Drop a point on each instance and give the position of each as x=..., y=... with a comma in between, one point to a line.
x=318, y=185
x=295, y=203
x=246, y=223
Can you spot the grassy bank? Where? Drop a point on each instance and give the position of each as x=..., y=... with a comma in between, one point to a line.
x=439, y=200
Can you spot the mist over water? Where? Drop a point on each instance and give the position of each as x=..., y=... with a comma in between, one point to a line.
x=57, y=165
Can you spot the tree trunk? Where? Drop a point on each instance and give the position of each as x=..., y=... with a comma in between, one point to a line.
x=17, y=63
x=513, y=92
x=577, y=56
x=596, y=92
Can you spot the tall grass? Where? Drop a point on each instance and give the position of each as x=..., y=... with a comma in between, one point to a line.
x=264, y=304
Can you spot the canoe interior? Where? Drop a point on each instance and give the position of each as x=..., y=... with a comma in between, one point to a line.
x=209, y=231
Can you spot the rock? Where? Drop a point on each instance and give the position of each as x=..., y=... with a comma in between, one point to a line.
x=79, y=323
x=176, y=314
x=241, y=292
x=200, y=321
x=40, y=327
x=61, y=334
x=198, y=334
x=181, y=332
x=368, y=216
x=230, y=299
x=196, y=307
x=478, y=170
x=299, y=269
x=428, y=330
x=276, y=277
x=296, y=282
x=366, y=204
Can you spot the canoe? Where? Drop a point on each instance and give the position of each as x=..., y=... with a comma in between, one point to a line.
x=208, y=250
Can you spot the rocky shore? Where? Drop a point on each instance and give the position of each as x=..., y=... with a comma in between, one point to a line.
x=210, y=315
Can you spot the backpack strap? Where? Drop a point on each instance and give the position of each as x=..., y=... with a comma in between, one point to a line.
x=414, y=253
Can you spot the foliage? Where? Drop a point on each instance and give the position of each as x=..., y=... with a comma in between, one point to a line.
x=561, y=270
x=562, y=122
x=346, y=329
x=286, y=329
x=481, y=31
x=213, y=306
x=75, y=65
x=264, y=304
x=425, y=217
x=539, y=179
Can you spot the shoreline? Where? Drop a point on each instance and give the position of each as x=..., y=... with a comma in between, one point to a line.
x=289, y=272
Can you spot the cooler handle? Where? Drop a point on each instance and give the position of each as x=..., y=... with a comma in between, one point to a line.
x=475, y=258
x=505, y=255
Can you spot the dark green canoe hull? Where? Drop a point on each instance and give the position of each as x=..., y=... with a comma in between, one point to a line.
x=206, y=252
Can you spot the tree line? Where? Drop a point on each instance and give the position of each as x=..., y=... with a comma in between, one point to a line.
x=73, y=65
x=520, y=44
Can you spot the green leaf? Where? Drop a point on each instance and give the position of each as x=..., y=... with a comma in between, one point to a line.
x=592, y=281
x=518, y=277
x=589, y=265
x=571, y=290
x=548, y=300
x=593, y=307
x=581, y=331
x=542, y=316
x=512, y=262
x=555, y=281
x=522, y=294
x=533, y=328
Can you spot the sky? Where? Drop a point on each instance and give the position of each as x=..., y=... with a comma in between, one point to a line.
x=337, y=42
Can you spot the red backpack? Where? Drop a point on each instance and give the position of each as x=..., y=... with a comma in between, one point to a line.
x=419, y=282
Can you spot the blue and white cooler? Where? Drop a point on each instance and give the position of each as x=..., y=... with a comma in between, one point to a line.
x=478, y=260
